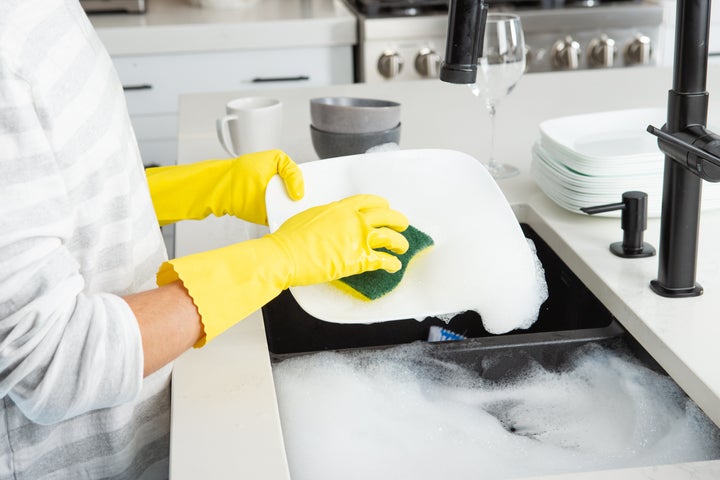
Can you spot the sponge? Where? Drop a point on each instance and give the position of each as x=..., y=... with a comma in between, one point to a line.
x=374, y=284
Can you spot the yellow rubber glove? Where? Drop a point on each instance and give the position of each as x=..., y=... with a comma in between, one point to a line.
x=318, y=245
x=221, y=187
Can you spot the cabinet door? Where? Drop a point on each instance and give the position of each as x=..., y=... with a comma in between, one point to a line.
x=153, y=82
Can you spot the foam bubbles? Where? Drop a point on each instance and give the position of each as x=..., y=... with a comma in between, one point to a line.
x=516, y=308
x=399, y=414
x=504, y=313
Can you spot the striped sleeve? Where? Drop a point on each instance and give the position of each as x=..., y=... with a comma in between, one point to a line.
x=63, y=351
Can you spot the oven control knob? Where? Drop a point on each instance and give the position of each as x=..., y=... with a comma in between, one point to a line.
x=566, y=54
x=638, y=51
x=390, y=64
x=601, y=52
x=427, y=63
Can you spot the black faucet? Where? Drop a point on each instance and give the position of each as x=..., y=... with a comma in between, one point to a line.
x=466, y=29
x=692, y=153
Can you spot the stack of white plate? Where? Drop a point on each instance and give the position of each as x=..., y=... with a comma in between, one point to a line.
x=587, y=160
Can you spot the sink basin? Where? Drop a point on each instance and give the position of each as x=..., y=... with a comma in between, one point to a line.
x=570, y=312
x=499, y=407
x=613, y=420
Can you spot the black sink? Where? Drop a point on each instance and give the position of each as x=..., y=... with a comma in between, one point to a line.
x=572, y=324
x=570, y=314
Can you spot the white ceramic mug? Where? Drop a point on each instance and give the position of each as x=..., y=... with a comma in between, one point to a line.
x=252, y=124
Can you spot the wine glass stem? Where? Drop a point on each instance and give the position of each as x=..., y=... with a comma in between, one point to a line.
x=491, y=112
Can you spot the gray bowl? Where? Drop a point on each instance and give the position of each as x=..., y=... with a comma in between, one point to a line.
x=331, y=144
x=353, y=115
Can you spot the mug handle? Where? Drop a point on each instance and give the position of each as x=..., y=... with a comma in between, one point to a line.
x=223, y=132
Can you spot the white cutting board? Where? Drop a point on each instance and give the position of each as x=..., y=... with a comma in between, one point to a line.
x=480, y=260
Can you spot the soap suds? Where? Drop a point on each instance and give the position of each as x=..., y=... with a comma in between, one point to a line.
x=516, y=308
x=399, y=414
x=514, y=313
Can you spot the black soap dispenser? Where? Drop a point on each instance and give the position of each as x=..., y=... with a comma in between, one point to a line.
x=633, y=220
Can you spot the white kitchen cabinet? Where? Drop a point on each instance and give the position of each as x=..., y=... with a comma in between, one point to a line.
x=176, y=48
x=153, y=83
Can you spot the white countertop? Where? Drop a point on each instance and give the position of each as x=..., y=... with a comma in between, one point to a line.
x=225, y=421
x=178, y=26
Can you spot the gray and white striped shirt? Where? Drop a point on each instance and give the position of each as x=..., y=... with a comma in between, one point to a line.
x=77, y=230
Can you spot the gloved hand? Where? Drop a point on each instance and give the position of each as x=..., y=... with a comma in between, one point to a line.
x=317, y=245
x=233, y=187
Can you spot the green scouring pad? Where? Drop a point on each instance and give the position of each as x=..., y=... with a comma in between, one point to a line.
x=374, y=284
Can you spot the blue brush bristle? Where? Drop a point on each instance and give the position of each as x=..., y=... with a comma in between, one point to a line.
x=439, y=334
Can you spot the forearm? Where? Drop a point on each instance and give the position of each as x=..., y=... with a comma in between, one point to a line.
x=169, y=324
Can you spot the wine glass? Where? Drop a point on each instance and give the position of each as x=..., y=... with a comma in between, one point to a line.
x=499, y=69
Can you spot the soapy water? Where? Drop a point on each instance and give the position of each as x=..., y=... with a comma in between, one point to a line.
x=400, y=414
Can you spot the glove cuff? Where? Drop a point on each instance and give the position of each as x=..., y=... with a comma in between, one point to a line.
x=228, y=284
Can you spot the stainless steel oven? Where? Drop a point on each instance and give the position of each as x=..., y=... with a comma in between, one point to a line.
x=405, y=39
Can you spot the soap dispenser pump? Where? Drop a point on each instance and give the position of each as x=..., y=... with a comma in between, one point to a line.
x=633, y=220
